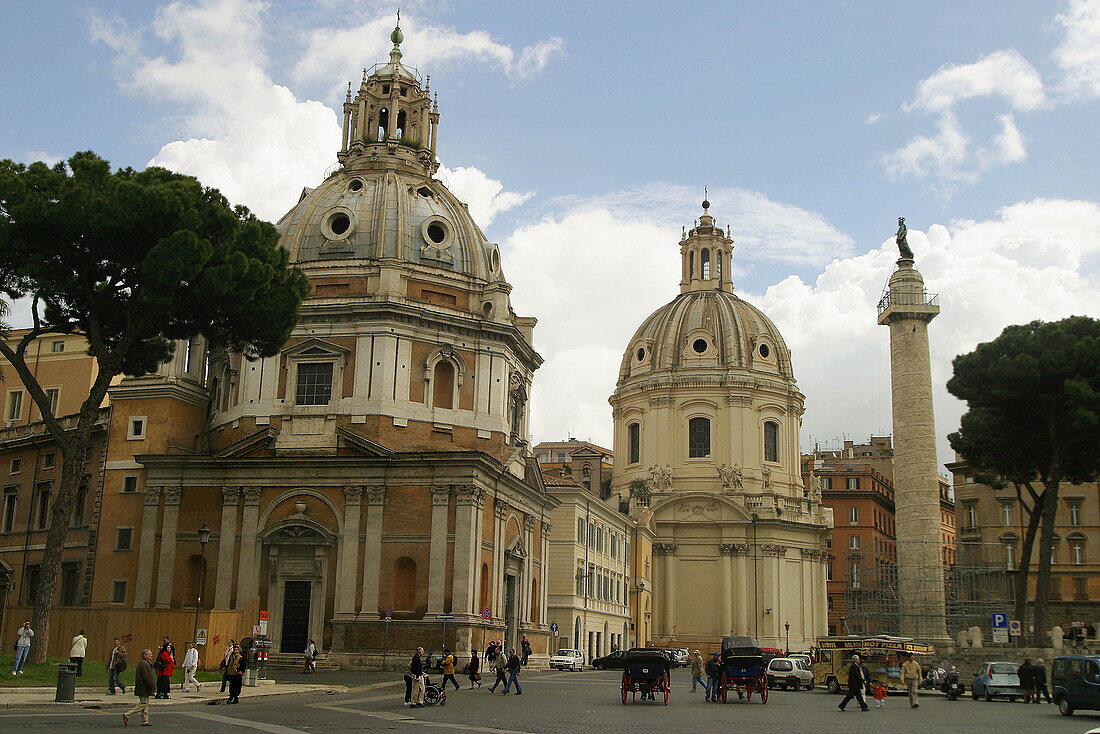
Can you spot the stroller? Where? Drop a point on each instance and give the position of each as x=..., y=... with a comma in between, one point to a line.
x=433, y=694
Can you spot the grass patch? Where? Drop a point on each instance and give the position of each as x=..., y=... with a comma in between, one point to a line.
x=95, y=674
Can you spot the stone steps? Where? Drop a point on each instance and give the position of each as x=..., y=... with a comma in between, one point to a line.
x=292, y=660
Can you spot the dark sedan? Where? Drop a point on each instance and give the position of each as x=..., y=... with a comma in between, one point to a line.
x=608, y=662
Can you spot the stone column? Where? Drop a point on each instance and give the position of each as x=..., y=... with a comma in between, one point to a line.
x=248, y=574
x=372, y=554
x=227, y=541
x=668, y=584
x=146, y=547
x=740, y=559
x=529, y=566
x=347, y=562
x=725, y=570
x=437, y=551
x=468, y=502
x=544, y=579
x=500, y=514
x=166, y=566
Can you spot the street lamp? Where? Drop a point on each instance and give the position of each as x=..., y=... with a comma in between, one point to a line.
x=787, y=629
x=204, y=538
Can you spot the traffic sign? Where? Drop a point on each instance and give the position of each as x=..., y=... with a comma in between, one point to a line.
x=1000, y=620
x=200, y=638
x=389, y=611
x=487, y=613
x=1014, y=628
x=444, y=616
x=263, y=615
x=554, y=628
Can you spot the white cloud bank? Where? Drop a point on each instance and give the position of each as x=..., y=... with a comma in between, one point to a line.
x=592, y=274
x=1079, y=54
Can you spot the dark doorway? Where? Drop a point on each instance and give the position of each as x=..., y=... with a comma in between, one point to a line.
x=509, y=612
x=295, y=615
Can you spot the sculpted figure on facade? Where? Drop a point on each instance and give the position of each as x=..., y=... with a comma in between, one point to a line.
x=660, y=478
x=733, y=477
x=766, y=477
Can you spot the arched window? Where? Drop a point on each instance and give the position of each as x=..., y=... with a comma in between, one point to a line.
x=771, y=441
x=383, y=123
x=691, y=265
x=698, y=438
x=704, y=261
x=634, y=434
x=404, y=584
x=718, y=263
x=400, y=124
x=443, y=385
x=486, y=579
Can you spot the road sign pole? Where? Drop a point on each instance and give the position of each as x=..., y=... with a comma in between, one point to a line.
x=386, y=644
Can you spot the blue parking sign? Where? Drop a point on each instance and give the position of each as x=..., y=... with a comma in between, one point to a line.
x=1000, y=621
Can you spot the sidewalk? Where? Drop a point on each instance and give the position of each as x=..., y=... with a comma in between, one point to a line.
x=97, y=698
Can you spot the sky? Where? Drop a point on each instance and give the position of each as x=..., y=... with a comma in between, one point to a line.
x=582, y=134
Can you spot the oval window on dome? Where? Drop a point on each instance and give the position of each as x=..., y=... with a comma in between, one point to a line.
x=641, y=353
x=699, y=345
x=339, y=224
x=356, y=184
x=495, y=261
x=437, y=232
x=764, y=351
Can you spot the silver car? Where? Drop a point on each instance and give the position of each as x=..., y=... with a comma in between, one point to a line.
x=997, y=679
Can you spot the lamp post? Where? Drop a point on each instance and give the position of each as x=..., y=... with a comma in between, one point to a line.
x=204, y=538
x=787, y=629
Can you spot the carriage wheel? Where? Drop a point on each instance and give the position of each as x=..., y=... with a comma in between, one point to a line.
x=667, y=686
x=626, y=683
x=763, y=690
x=723, y=684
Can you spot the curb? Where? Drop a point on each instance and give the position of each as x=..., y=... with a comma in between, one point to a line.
x=127, y=700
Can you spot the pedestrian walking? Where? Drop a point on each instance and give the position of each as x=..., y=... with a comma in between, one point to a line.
x=225, y=662
x=311, y=658
x=165, y=665
x=234, y=672
x=525, y=648
x=116, y=663
x=474, y=670
x=408, y=685
x=1027, y=679
x=78, y=651
x=857, y=679
x=499, y=665
x=144, y=684
x=1039, y=680
x=911, y=676
x=879, y=692
x=22, y=648
x=514, y=664
x=448, y=669
x=416, y=669
x=714, y=674
x=697, y=673
x=190, y=665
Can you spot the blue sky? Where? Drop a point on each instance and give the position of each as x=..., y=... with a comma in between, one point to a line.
x=582, y=135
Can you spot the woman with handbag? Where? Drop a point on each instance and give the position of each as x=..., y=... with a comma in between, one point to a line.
x=474, y=669
x=234, y=671
x=165, y=666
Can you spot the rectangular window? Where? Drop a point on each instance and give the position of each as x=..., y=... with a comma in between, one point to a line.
x=591, y=536
x=42, y=510
x=1080, y=589
x=1075, y=514
x=1006, y=514
x=580, y=530
x=314, y=383
x=1010, y=556
x=853, y=516
x=129, y=485
x=118, y=591
x=971, y=516
x=635, y=433
x=853, y=482
x=829, y=571
x=15, y=405
x=135, y=431
x=124, y=538
x=826, y=482
x=53, y=394
x=1078, y=551
x=1055, y=588
x=70, y=584
x=580, y=581
x=49, y=460
x=855, y=573
x=698, y=438
x=11, y=496
x=57, y=347
x=30, y=583
x=853, y=542
x=79, y=502
x=16, y=465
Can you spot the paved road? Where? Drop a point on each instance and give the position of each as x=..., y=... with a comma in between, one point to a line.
x=571, y=702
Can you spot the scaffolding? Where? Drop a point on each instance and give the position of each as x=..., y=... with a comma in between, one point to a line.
x=976, y=584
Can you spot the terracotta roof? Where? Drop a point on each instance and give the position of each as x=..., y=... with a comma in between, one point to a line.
x=556, y=480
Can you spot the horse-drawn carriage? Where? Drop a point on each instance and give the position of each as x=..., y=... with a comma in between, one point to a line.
x=744, y=669
x=645, y=671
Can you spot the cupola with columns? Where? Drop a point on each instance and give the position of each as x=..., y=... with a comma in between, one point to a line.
x=706, y=254
x=392, y=119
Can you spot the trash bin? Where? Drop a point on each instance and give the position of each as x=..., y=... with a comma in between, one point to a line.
x=66, y=682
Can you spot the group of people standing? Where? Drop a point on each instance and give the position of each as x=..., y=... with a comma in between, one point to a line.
x=1033, y=681
x=505, y=667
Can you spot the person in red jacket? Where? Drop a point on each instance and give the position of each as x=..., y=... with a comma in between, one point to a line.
x=165, y=666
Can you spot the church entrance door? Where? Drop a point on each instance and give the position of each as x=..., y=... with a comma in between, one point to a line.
x=509, y=612
x=296, y=604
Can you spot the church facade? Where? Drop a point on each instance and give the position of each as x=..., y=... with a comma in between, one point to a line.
x=706, y=439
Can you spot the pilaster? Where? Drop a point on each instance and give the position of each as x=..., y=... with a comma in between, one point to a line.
x=468, y=501
x=372, y=553
x=167, y=564
x=348, y=561
x=437, y=551
x=146, y=546
x=248, y=573
x=227, y=541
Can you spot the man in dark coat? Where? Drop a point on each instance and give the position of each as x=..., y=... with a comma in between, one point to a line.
x=145, y=685
x=416, y=670
x=714, y=672
x=856, y=683
x=1027, y=679
x=1039, y=680
x=513, y=667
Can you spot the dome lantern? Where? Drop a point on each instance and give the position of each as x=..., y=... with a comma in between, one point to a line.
x=705, y=253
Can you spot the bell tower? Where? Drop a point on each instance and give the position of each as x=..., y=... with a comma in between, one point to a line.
x=705, y=252
x=391, y=122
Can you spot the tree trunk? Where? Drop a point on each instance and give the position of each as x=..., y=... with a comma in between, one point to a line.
x=1046, y=543
x=1019, y=582
x=73, y=452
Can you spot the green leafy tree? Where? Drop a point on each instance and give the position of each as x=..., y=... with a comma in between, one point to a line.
x=131, y=261
x=1033, y=420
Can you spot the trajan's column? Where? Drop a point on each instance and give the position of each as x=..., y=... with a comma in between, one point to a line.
x=907, y=308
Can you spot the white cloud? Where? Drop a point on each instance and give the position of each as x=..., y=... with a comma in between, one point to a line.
x=485, y=196
x=1007, y=146
x=1079, y=53
x=943, y=155
x=1003, y=73
x=342, y=52
x=31, y=156
x=873, y=118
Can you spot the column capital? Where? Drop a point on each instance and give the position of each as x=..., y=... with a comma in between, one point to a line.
x=152, y=494
x=664, y=549
x=441, y=494
x=740, y=549
x=376, y=493
x=353, y=495
x=230, y=495
x=529, y=524
x=500, y=511
x=469, y=494
x=172, y=495
x=773, y=550
x=546, y=528
x=251, y=495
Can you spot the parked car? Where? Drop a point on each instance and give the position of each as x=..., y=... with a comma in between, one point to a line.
x=997, y=679
x=804, y=657
x=1075, y=683
x=567, y=658
x=608, y=662
x=681, y=658
x=789, y=673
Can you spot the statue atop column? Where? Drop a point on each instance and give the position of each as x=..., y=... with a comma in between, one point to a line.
x=901, y=239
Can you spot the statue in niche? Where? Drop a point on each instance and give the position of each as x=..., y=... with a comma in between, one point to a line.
x=766, y=474
x=902, y=239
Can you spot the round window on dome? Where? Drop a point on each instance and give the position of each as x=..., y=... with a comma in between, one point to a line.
x=355, y=185
x=699, y=345
x=641, y=353
x=437, y=233
x=764, y=351
x=339, y=224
